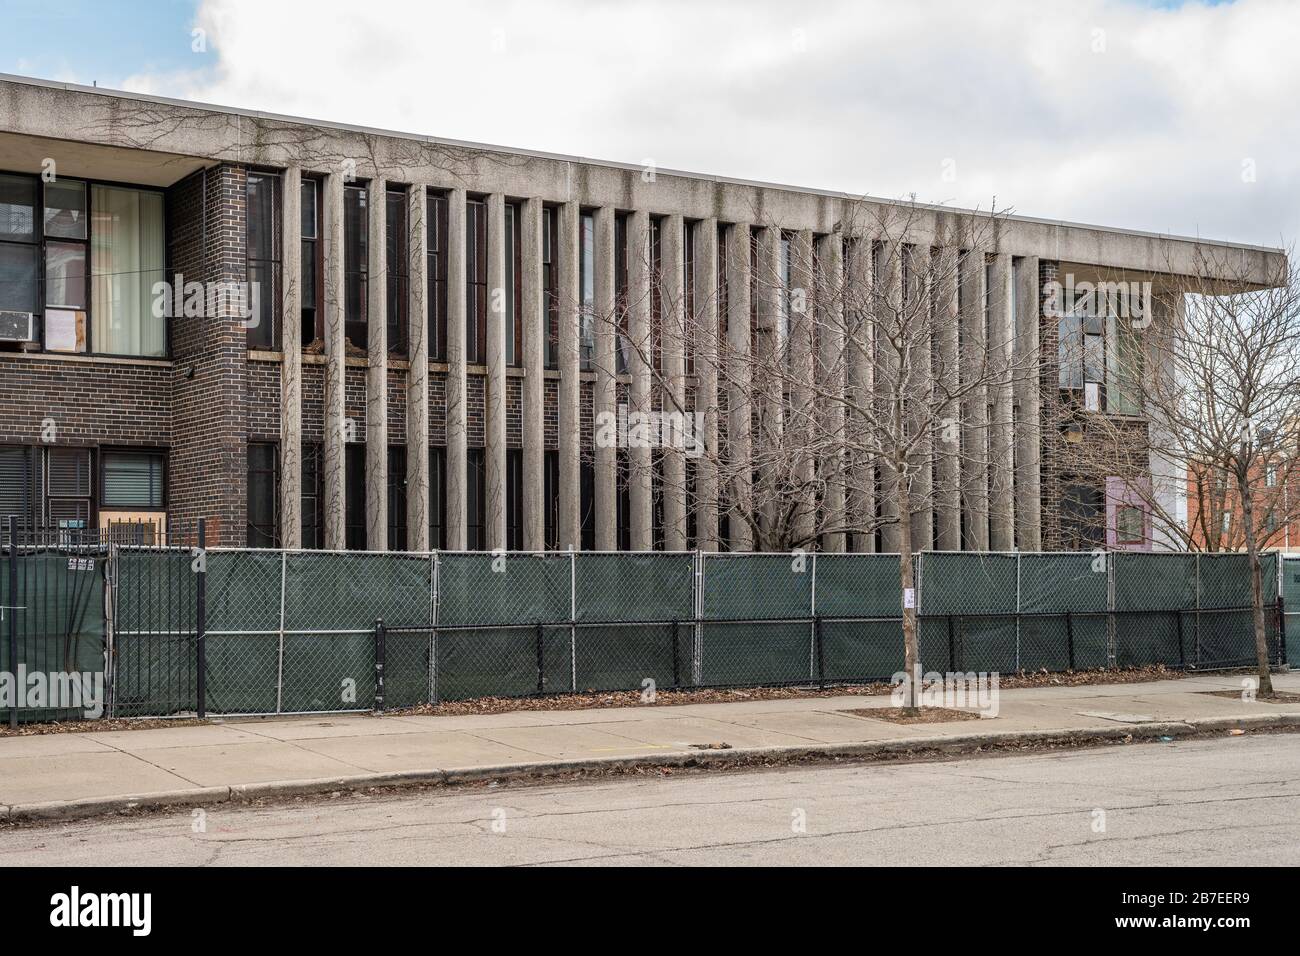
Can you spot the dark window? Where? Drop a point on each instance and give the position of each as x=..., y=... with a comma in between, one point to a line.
x=621, y=293
x=656, y=294
x=356, y=226
x=68, y=487
x=437, y=498
x=1083, y=512
x=17, y=483
x=313, y=496
x=657, y=500
x=624, y=506
x=396, y=498
x=476, y=281
x=551, y=499
x=263, y=495
x=551, y=285
x=587, y=287
x=262, y=259
x=515, y=499
x=309, y=212
x=587, y=500
x=436, y=264
x=355, y=506
x=723, y=304
x=19, y=245
x=395, y=250
x=688, y=287
x=1130, y=525
x=133, y=480
x=475, y=503
x=514, y=291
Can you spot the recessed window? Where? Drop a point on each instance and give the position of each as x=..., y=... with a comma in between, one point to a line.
x=354, y=461
x=133, y=480
x=437, y=497
x=309, y=211
x=395, y=242
x=514, y=271
x=396, y=498
x=476, y=281
x=436, y=265
x=126, y=262
x=587, y=288
x=551, y=285
x=263, y=495
x=475, y=501
x=356, y=224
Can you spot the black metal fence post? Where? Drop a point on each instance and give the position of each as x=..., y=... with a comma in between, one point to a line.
x=1281, y=631
x=821, y=656
x=1178, y=627
x=1069, y=638
x=952, y=646
x=381, y=644
x=677, y=679
x=541, y=661
x=13, y=617
x=201, y=624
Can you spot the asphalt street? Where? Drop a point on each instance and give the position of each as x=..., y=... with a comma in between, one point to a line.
x=1229, y=801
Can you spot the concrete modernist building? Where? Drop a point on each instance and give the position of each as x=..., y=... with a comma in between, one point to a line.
x=417, y=375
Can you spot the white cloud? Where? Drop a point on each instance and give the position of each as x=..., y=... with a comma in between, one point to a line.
x=1148, y=133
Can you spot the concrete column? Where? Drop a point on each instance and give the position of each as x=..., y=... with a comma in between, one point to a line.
x=1001, y=427
x=377, y=368
x=335, y=368
x=947, y=372
x=417, y=379
x=888, y=371
x=922, y=390
x=457, y=387
x=802, y=410
x=706, y=382
x=1029, y=524
x=533, y=314
x=768, y=389
x=291, y=365
x=860, y=388
x=739, y=464
x=638, y=267
x=495, y=389
x=570, y=423
x=830, y=370
x=605, y=324
x=672, y=298
x=975, y=460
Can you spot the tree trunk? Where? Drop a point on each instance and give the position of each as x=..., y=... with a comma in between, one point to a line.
x=1256, y=586
x=911, y=653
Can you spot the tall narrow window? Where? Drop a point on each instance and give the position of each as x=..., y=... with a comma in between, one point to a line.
x=688, y=296
x=551, y=499
x=395, y=244
x=476, y=290
x=356, y=227
x=126, y=254
x=621, y=294
x=723, y=300
x=475, y=504
x=624, y=505
x=435, y=224
x=68, y=485
x=551, y=286
x=313, y=496
x=309, y=293
x=587, y=501
x=656, y=294
x=263, y=495
x=262, y=259
x=515, y=499
x=396, y=498
x=783, y=320
x=17, y=486
x=437, y=497
x=66, y=254
x=514, y=296
x=354, y=461
x=587, y=290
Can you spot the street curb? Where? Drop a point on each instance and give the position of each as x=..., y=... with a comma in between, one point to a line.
x=737, y=757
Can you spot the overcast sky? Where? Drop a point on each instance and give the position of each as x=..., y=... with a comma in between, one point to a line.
x=1164, y=116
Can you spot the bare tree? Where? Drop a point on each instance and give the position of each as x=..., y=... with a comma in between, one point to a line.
x=1217, y=376
x=874, y=375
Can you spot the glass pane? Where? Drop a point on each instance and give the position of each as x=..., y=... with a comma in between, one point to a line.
x=308, y=265
x=308, y=209
x=133, y=480
x=1094, y=359
x=65, y=209
x=261, y=217
x=510, y=246
x=126, y=260
x=1070, y=352
x=65, y=275
x=19, y=273
x=17, y=208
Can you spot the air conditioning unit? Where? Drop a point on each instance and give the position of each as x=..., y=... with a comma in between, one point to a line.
x=17, y=327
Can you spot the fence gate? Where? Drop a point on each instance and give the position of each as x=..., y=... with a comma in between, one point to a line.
x=52, y=622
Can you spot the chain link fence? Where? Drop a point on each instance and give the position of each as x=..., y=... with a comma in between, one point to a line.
x=310, y=631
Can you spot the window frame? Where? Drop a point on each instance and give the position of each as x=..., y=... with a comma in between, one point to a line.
x=397, y=277
x=476, y=280
x=313, y=255
x=274, y=264
x=274, y=534
x=435, y=260
x=108, y=451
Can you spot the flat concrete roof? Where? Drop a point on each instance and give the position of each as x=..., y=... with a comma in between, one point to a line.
x=833, y=195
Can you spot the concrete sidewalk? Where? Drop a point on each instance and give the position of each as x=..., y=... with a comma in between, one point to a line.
x=81, y=774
